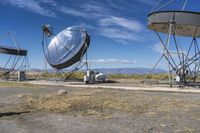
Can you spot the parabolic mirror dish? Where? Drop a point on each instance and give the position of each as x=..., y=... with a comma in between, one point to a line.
x=186, y=23
x=12, y=51
x=67, y=47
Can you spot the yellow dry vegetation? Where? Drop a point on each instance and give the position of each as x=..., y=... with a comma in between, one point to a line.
x=105, y=102
x=19, y=85
x=86, y=103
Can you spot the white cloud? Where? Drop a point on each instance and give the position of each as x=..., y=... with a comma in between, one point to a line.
x=105, y=21
x=108, y=24
x=73, y=12
x=89, y=10
x=111, y=61
x=94, y=7
x=158, y=47
x=31, y=5
x=119, y=34
x=147, y=2
x=122, y=22
x=121, y=29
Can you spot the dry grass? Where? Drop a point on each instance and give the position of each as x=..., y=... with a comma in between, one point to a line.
x=136, y=77
x=19, y=85
x=104, y=102
x=85, y=103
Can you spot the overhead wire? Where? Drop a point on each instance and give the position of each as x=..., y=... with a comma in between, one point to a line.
x=169, y=2
x=184, y=5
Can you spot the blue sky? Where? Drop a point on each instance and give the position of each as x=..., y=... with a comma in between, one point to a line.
x=119, y=37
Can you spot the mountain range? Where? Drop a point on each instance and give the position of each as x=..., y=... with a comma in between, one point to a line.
x=129, y=70
x=114, y=70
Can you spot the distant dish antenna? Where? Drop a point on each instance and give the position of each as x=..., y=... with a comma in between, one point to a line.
x=183, y=59
x=66, y=47
x=15, y=57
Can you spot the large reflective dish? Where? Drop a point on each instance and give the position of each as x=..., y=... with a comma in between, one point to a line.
x=12, y=51
x=67, y=47
x=186, y=22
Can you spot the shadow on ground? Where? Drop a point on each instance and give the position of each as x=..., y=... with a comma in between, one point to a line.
x=12, y=113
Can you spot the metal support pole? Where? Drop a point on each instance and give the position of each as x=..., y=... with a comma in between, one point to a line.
x=167, y=53
x=153, y=68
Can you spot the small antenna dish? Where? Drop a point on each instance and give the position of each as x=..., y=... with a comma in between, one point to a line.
x=47, y=30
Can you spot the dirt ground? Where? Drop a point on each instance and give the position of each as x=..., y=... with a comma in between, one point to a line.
x=40, y=109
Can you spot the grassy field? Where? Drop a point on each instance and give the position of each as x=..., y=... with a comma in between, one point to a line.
x=79, y=76
x=138, y=76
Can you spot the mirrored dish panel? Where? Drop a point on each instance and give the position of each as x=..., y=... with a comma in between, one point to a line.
x=67, y=47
